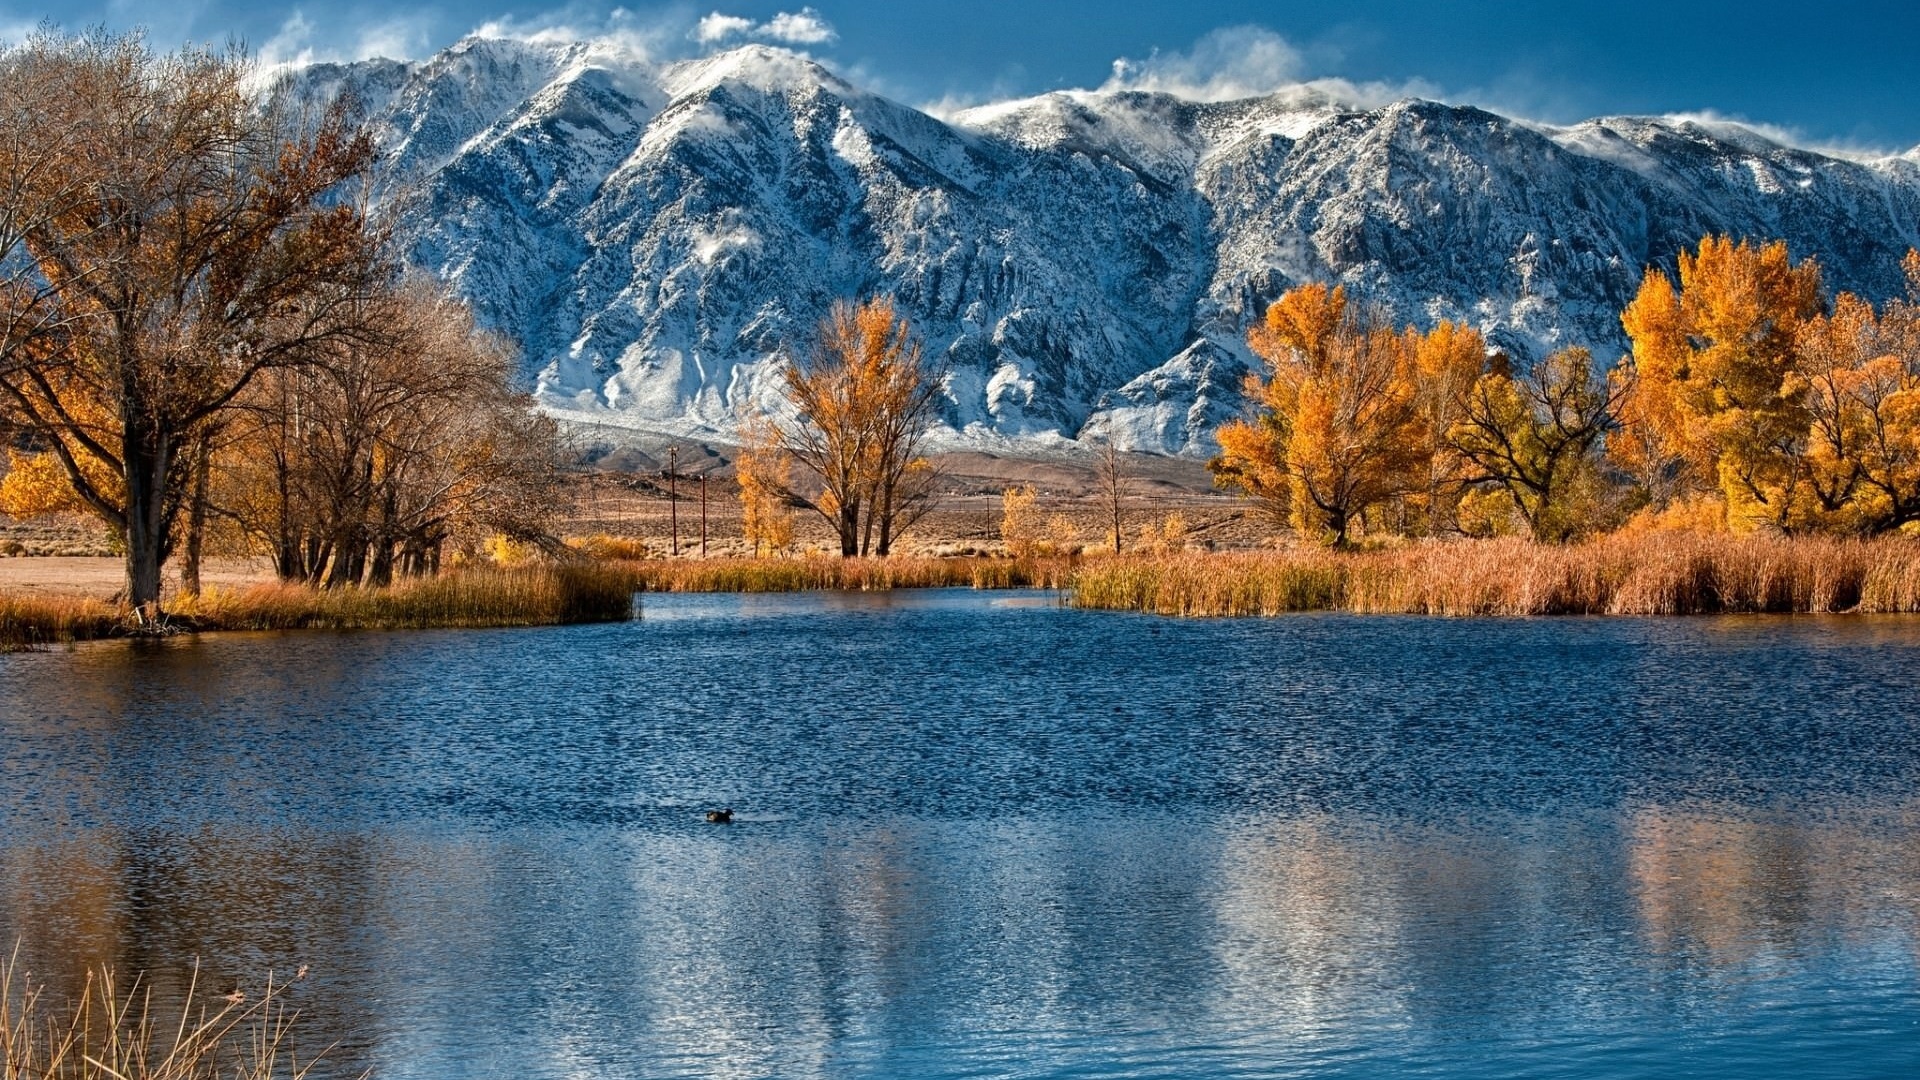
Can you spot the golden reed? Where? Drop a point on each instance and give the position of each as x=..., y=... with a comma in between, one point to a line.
x=1627, y=574
x=535, y=595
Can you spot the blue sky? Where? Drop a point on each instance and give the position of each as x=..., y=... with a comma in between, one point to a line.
x=1840, y=74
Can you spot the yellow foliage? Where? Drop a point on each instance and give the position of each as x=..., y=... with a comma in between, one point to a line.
x=36, y=485
x=1063, y=537
x=1169, y=538
x=765, y=475
x=1704, y=513
x=505, y=551
x=1488, y=512
x=1020, y=520
x=1714, y=392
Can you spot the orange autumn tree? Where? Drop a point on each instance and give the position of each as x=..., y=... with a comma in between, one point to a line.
x=1348, y=416
x=194, y=238
x=865, y=398
x=1861, y=370
x=1713, y=403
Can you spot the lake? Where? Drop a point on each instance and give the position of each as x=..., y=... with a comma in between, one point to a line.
x=979, y=834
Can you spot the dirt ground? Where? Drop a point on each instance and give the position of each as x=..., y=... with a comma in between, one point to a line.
x=965, y=518
x=626, y=495
x=103, y=576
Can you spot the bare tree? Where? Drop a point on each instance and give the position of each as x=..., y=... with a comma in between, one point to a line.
x=364, y=466
x=200, y=246
x=1115, y=483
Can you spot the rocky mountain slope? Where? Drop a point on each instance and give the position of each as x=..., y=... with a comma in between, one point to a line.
x=658, y=236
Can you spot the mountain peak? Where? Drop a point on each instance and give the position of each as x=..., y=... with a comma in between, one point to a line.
x=761, y=67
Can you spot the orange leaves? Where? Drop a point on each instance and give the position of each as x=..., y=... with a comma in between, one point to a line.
x=1349, y=416
x=1743, y=383
x=1305, y=322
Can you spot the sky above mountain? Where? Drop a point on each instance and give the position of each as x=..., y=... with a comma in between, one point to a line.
x=1840, y=76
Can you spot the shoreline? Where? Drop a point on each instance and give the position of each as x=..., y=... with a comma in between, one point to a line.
x=1635, y=574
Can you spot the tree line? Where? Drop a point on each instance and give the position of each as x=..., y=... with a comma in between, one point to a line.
x=1750, y=400
x=204, y=332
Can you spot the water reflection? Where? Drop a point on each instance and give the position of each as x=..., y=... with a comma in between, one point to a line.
x=1051, y=860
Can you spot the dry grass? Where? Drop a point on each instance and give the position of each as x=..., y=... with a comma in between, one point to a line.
x=28, y=620
x=1637, y=574
x=108, y=1035
x=537, y=595
x=821, y=572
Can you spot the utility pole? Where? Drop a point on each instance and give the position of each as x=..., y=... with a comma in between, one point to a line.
x=673, y=494
x=703, y=515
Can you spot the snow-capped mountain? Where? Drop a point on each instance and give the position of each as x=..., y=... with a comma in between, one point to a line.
x=659, y=235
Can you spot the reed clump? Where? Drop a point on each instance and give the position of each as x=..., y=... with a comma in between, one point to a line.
x=822, y=572
x=27, y=620
x=544, y=594
x=537, y=595
x=1653, y=573
x=105, y=1034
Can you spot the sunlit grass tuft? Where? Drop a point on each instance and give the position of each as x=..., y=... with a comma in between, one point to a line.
x=28, y=620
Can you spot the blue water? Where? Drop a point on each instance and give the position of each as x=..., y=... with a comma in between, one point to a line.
x=981, y=835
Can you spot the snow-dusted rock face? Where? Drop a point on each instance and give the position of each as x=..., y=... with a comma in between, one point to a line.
x=658, y=236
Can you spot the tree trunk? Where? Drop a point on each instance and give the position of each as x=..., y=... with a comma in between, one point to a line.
x=345, y=569
x=849, y=529
x=886, y=523
x=196, y=518
x=147, y=455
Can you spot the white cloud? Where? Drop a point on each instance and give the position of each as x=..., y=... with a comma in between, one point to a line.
x=715, y=28
x=803, y=27
x=618, y=32
x=403, y=37
x=299, y=42
x=290, y=46
x=1251, y=61
x=1231, y=62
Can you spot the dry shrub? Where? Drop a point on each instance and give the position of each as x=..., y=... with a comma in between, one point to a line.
x=533, y=595
x=536, y=595
x=605, y=546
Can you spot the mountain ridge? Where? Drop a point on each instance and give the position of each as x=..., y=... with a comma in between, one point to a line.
x=658, y=235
